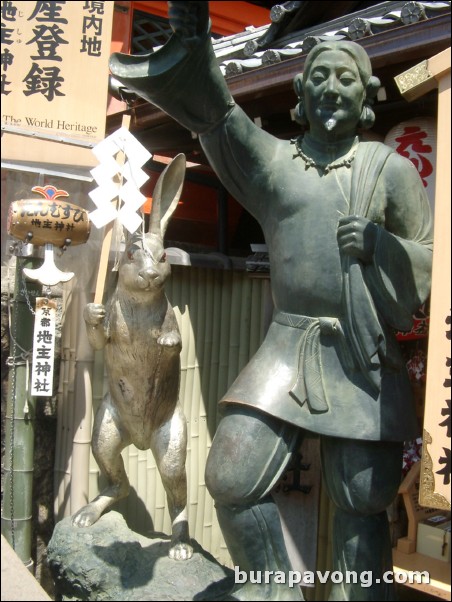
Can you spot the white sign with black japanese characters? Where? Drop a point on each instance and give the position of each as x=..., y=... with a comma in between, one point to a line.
x=43, y=348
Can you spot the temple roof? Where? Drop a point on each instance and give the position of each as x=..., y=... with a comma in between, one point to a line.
x=296, y=27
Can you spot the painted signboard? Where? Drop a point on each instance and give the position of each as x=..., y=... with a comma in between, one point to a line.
x=54, y=80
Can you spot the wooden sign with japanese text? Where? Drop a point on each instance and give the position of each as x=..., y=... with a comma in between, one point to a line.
x=436, y=452
x=54, y=79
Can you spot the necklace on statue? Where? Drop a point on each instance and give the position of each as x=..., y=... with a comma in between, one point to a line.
x=325, y=166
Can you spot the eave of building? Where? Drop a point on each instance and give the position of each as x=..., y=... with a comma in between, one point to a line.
x=253, y=49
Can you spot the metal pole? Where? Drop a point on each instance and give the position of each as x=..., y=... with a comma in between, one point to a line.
x=20, y=417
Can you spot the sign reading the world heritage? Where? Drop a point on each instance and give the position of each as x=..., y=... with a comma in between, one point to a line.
x=54, y=79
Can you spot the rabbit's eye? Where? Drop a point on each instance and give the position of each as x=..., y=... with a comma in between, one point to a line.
x=131, y=252
x=162, y=258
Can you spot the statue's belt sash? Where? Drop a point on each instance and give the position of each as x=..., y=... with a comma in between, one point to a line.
x=309, y=384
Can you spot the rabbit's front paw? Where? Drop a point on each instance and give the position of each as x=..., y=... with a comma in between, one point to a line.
x=170, y=339
x=94, y=314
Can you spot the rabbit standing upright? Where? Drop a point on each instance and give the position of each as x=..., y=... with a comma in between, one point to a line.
x=142, y=343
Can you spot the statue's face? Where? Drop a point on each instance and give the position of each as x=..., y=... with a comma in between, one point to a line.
x=333, y=94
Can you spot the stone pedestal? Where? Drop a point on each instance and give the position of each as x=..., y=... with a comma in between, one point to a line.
x=108, y=561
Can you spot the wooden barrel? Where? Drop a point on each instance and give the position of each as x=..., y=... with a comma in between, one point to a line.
x=41, y=221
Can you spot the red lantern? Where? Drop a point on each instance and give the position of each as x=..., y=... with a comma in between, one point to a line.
x=416, y=140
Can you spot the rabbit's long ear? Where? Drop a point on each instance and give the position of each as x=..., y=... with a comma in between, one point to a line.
x=166, y=195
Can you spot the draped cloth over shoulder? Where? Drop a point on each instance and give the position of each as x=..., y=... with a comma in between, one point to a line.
x=185, y=83
x=370, y=296
x=362, y=325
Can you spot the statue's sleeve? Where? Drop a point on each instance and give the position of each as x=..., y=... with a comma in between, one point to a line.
x=185, y=82
x=400, y=275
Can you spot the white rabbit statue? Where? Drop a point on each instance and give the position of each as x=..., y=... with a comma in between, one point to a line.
x=139, y=331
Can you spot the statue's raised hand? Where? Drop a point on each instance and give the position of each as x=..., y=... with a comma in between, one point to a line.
x=189, y=20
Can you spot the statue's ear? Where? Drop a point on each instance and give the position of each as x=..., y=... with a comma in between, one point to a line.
x=299, y=114
x=298, y=85
x=373, y=85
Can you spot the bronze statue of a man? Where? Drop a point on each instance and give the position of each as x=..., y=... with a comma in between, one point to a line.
x=349, y=234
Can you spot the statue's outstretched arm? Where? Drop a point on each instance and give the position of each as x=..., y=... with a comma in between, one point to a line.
x=182, y=77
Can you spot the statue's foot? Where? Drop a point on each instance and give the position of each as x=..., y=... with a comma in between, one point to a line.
x=180, y=551
x=87, y=516
x=273, y=591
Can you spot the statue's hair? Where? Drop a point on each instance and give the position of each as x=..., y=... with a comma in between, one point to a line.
x=359, y=55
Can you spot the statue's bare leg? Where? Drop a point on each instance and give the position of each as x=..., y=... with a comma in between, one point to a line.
x=107, y=444
x=169, y=446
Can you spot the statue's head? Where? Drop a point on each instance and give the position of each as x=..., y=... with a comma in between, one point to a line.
x=336, y=85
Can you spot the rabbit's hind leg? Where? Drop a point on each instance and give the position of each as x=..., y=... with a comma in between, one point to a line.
x=169, y=446
x=108, y=441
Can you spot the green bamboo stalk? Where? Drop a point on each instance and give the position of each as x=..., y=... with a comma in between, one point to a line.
x=191, y=362
x=20, y=423
x=192, y=400
x=245, y=321
x=210, y=352
x=200, y=334
x=256, y=315
x=228, y=312
x=234, y=331
x=207, y=426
